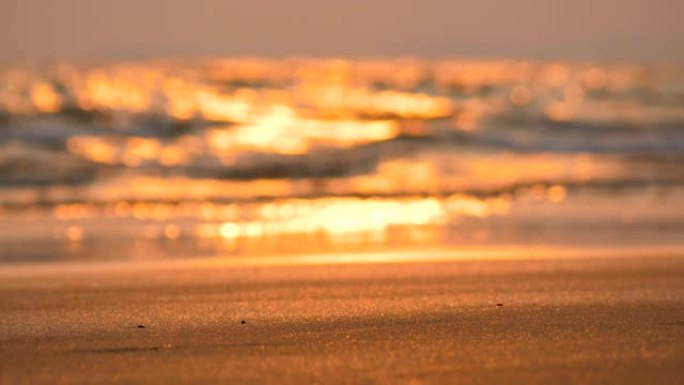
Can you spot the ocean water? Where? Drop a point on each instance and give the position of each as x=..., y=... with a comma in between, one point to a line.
x=167, y=158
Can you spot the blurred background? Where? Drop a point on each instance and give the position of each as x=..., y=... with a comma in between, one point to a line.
x=149, y=129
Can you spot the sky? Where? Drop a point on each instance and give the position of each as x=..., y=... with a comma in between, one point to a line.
x=643, y=30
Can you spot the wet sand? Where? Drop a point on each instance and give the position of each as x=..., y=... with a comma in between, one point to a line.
x=547, y=321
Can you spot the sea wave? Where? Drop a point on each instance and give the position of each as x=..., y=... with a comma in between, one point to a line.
x=384, y=140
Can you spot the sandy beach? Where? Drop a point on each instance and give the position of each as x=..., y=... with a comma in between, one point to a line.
x=589, y=320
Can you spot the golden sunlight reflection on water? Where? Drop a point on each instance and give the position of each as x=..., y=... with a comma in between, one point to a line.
x=535, y=216
x=243, y=151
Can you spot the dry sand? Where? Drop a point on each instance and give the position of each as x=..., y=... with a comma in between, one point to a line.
x=590, y=320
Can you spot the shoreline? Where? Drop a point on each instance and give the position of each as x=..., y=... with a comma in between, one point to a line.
x=412, y=254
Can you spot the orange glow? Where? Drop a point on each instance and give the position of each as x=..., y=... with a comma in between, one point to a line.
x=45, y=98
x=70, y=211
x=125, y=90
x=171, y=231
x=138, y=149
x=216, y=107
x=595, y=78
x=93, y=148
x=281, y=131
x=74, y=233
x=229, y=230
x=556, y=194
x=338, y=216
